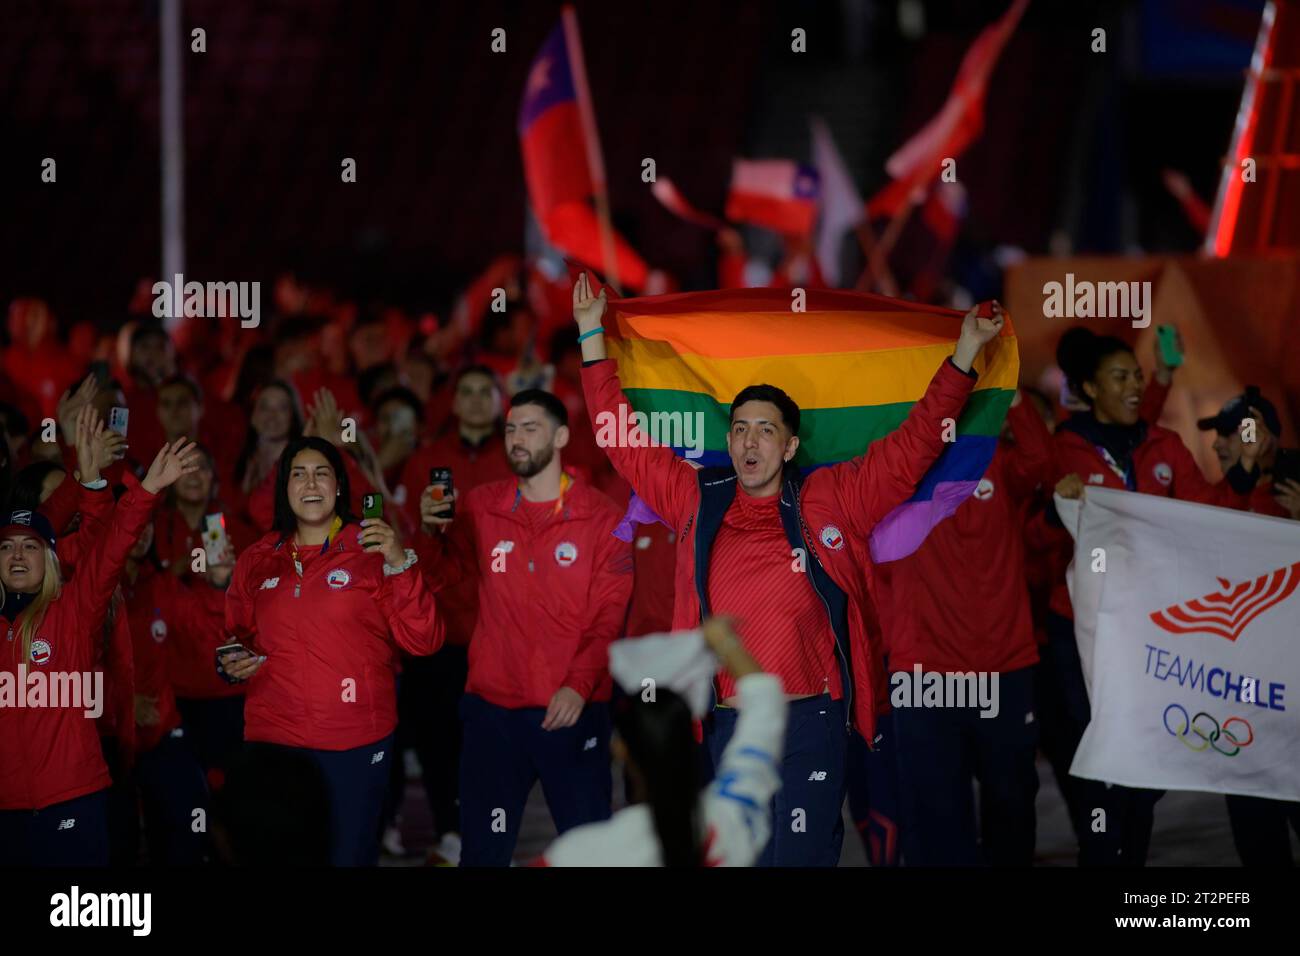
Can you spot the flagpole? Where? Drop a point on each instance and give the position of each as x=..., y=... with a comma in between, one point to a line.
x=591, y=140
x=173, y=147
x=877, y=270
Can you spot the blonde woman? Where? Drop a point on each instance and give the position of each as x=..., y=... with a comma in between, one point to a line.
x=53, y=779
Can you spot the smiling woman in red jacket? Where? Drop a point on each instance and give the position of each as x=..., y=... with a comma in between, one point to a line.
x=322, y=608
x=1112, y=446
x=53, y=779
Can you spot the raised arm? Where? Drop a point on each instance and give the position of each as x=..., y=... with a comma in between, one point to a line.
x=736, y=803
x=665, y=482
x=886, y=475
x=1029, y=463
x=101, y=563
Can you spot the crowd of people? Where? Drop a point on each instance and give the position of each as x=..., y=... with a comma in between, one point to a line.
x=305, y=557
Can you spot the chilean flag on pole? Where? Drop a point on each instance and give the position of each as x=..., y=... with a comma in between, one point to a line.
x=559, y=151
x=550, y=131
x=956, y=126
x=778, y=194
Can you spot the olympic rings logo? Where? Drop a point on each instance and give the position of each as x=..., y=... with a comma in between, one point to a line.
x=1209, y=732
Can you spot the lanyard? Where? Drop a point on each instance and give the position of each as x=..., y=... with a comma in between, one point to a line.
x=1128, y=477
x=565, y=483
x=293, y=545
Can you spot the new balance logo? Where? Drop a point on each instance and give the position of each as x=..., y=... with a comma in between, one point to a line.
x=376, y=758
x=590, y=744
x=817, y=775
x=1229, y=611
x=269, y=583
x=67, y=824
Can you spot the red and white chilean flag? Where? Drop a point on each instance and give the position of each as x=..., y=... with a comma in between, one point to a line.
x=1190, y=643
x=778, y=194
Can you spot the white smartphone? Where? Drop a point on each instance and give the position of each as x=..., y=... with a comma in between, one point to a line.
x=117, y=419
x=215, y=541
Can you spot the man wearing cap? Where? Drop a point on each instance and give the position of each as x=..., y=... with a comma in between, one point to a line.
x=1227, y=424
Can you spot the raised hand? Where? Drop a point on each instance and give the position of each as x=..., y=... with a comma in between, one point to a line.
x=378, y=535
x=87, y=427
x=324, y=414
x=588, y=309
x=976, y=332
x=172, y=461
x=108, y=447
x=1287, y=494
x=70, y=403
x=1251, y=450
x=431, y=511
x=1165, y=374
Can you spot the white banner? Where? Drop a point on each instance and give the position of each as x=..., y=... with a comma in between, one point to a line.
x=1190, y=644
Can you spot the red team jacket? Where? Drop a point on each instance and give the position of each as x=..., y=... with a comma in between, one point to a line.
x=848, y=498
x=49, y=755
x=195, y=617
x=552, y=597
x=149, y=604
x=331, y=640
x=959, y=602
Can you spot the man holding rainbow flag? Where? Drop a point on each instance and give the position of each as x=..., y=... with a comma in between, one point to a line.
x=787, y=555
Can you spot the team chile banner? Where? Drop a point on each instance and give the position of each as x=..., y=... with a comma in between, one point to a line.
x=854, y=363
x=1190, y=644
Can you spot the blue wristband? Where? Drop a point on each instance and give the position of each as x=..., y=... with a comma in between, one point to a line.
x=590, y=332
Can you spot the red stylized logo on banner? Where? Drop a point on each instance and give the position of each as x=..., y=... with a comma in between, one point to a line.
x=1229, y=611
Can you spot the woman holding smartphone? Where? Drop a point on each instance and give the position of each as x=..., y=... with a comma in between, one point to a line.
x=320, y=608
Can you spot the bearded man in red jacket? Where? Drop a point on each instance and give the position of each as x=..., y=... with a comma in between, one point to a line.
x=553, y=589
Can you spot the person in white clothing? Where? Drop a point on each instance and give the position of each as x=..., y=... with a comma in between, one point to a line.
x=671, y=822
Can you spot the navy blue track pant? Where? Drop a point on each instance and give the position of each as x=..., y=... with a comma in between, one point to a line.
x=506, y=751
x=172, y=788
x=807, y=812
x=1120, y=834
x=356, y=781
x=214, y=730
x=873, y=794
x=71, y=833
x=940, y=751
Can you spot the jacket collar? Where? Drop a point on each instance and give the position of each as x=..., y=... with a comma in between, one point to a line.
x=577, y=498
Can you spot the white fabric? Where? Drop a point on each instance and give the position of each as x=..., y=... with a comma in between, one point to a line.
x=1171, y=699
x=842, y=207
x=733, y=808
x=681, y=662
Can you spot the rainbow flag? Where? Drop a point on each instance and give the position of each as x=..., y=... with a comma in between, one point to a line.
x=854, y=363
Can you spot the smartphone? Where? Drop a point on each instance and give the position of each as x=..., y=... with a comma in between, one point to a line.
x=215, y=541
x=1286, y=466
x=99, y=369
x=372, y=506
x=402, y=423
x=239, y=649
x=117, y=419
x=440, y=479
x=1167, y=342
